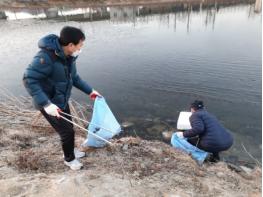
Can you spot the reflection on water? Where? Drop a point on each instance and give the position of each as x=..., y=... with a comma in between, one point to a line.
x=151, y=61
x=124, y=14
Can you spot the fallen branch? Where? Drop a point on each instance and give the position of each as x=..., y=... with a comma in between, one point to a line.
x=249, y=154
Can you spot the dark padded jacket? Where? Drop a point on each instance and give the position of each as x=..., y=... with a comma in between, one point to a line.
x=213, y=136
x=50, y=76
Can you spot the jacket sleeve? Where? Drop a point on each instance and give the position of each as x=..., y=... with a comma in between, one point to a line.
x=197, y=126
x=78, y=82
x=81, y=85
x=39, y=69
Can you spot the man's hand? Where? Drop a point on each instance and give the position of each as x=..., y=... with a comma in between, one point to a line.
x=52, y=110
x=180, y=134
x=94, y=94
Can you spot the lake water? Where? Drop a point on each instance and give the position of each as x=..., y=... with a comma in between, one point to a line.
x=153, y=65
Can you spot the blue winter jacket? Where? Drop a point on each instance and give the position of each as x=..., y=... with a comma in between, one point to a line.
x=50, y=76
x=213, y=136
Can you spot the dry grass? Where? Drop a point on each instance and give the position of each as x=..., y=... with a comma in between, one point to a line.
x=30, y=160
x=33, y=149
x=33, y=152
x=27, y=141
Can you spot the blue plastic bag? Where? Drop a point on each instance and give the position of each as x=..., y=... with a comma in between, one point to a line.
x=103, y=123
x=182, y=144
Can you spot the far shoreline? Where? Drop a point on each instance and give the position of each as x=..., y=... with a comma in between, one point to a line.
x=14, y=5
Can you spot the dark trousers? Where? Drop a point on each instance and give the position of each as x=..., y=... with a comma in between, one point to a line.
x=195, y=141
x=65, y=131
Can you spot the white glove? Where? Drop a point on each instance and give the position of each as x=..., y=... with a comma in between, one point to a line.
x=52, y=110
x=180, y=134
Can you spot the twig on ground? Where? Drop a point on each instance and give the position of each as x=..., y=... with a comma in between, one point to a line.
x=249, y=154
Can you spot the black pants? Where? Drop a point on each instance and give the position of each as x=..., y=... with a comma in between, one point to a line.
x=195, y=142
x=65, y=131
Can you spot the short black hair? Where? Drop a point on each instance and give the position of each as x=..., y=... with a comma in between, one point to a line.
x=197, y=105
x=71, y=35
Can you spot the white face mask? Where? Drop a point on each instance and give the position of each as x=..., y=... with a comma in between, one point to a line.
x=76, y=53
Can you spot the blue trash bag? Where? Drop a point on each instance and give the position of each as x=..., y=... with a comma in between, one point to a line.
x=182, y=144
x=103, y=123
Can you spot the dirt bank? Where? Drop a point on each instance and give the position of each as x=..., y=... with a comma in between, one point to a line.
x=31, y=164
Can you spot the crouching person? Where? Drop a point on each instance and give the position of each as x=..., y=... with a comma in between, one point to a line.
x=49, y=80
x=207, y=133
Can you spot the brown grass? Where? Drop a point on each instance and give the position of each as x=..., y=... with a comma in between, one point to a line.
x=30, y=160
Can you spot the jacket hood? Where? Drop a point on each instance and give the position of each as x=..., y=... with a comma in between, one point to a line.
x=51, y=42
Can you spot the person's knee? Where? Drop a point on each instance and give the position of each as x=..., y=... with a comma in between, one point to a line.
x=67, y=135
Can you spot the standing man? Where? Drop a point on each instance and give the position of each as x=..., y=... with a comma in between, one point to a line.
x=49, y=80
x=206, y=133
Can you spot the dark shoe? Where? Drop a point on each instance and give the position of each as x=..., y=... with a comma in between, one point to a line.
x=212, y=158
